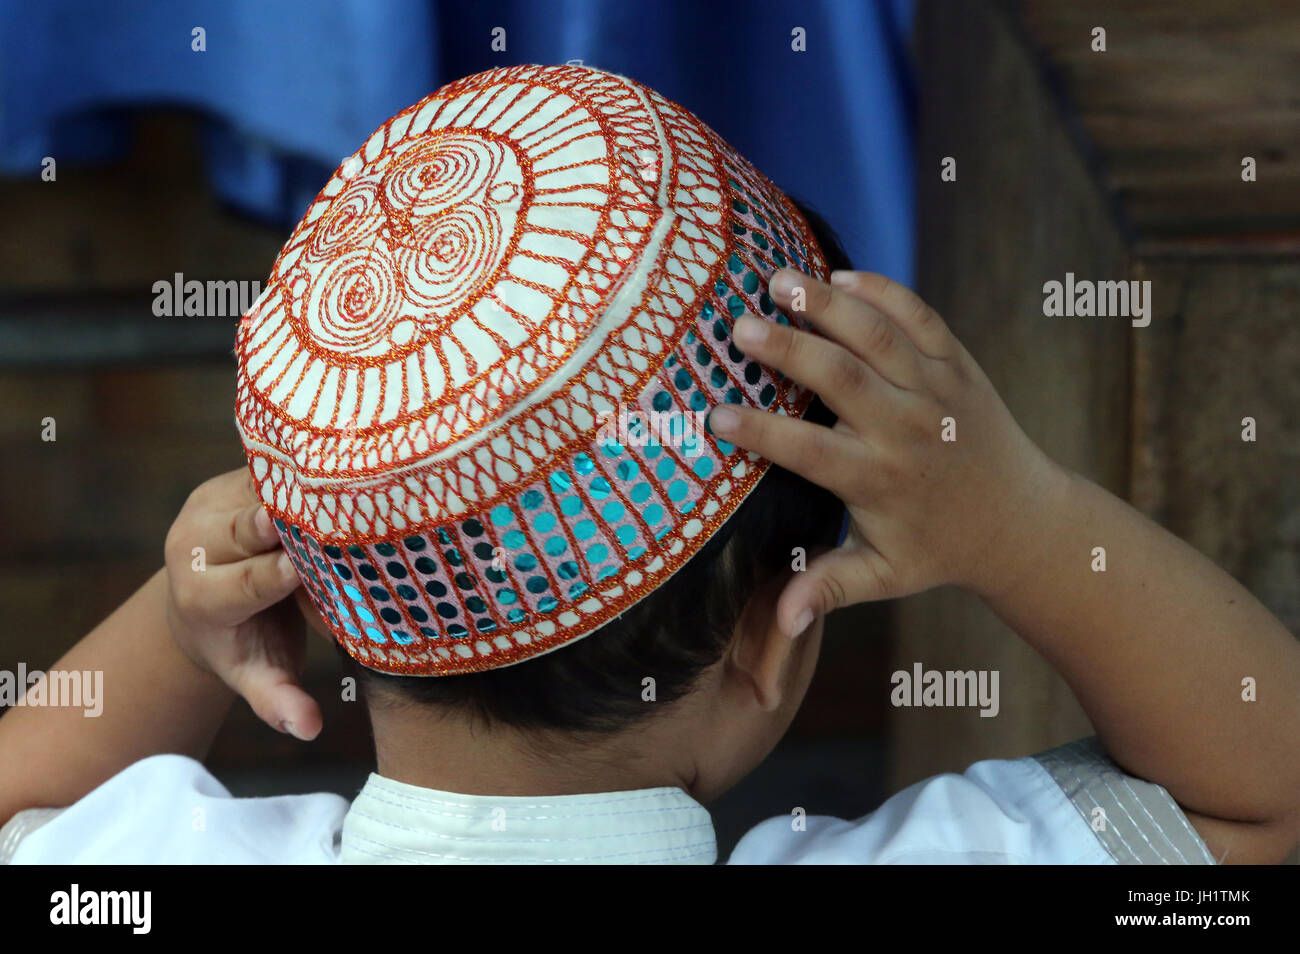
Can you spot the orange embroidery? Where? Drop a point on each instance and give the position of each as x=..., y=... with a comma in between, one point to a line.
x=494, y=270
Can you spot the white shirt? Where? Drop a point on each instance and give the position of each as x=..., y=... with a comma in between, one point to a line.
x=1041, y=810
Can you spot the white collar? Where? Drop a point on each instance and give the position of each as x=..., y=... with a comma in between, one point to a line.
x=395, y=823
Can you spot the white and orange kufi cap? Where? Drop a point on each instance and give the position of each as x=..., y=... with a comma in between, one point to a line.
x=472, y=395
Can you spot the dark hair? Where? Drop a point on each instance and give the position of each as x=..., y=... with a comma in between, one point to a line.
x=674, y=634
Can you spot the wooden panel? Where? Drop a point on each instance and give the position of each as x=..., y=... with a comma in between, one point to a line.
x=1184, y=90
x=125, y=226
x=141, y=439
x=50, y=331
x=1224, y=344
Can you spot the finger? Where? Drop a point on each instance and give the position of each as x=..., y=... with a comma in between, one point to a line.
x=232, y=592
x=278, y=700
x=837, y=579
x=860, y=327
x=845, y=383
x=224, y=518
x=230, y=536
x=252, y=532
x=227, y=491
x=827, y=457
x=921, y=323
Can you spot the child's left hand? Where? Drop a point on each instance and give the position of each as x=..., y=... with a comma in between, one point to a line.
x=941, y=484
x=231, y=616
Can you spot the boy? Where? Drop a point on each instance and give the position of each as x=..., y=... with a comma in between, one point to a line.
x=572, y=633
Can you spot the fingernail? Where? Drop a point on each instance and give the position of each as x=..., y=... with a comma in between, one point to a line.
x=262, y=521
x=750, y=331
x=723, y=420
x=285, y=565
x=802, y=622
x=841, y=277
x=291, y=729
x=782, y=283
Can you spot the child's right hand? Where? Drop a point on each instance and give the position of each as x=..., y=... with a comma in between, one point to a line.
x=227, y=608
x=941, y=483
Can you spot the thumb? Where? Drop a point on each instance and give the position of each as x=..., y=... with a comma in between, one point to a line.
x=834, y=580
x=278, y=700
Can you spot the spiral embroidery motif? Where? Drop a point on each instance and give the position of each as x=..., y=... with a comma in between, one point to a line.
x=406, y=248
x=447, y=256
x=352, y=301
x=353, y=219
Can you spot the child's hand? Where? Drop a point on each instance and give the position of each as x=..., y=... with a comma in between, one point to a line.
x=941, y=484
x=231, y=617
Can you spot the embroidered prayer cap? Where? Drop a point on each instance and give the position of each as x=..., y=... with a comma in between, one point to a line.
x=472, y=394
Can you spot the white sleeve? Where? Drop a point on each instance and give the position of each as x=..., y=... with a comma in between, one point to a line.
x=168, y=809
x=1068, y=806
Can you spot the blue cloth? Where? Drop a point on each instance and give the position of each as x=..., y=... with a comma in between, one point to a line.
x=290, y=88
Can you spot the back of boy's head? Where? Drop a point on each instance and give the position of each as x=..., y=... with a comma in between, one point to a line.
x=598, y=684
x=428, y=388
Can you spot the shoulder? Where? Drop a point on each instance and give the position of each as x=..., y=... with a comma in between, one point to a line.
x=170, y=809
x=1067, y=806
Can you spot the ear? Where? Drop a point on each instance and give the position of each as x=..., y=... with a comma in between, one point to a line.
x=761, y=658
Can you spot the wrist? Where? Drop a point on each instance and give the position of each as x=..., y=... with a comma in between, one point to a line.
x=1029, y=526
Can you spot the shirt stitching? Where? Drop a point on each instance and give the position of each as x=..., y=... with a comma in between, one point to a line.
x=578, y=811
x=529, y=841
x=699, y=849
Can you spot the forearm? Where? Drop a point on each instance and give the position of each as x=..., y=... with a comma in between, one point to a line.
x=1156, y=648
x=155, y=700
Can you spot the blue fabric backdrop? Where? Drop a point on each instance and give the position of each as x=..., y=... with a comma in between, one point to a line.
x=290, y=88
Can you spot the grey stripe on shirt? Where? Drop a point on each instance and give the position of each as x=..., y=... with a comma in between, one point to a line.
x=1137, y=822
x=20, y=826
